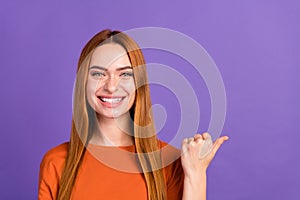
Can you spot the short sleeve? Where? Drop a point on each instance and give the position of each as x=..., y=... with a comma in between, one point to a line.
x=50, y=172
x=174, y=175
x=175, y=178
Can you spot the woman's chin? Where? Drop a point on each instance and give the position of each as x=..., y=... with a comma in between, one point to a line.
x=114, y=114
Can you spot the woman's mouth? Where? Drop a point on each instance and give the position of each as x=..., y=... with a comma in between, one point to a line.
x=110, y=101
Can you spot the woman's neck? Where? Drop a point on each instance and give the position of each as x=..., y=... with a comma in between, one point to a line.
x=113, y=131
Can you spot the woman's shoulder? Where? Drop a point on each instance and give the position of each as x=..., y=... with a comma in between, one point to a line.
x=169, y=152
x=170, y=156
x=56, y=155
x=51, y=168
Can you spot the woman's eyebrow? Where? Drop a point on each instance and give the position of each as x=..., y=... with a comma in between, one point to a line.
x=105, y=69
x=98, y=67
x=122, y=68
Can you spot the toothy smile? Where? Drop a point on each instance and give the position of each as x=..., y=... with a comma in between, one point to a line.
x=110, y=100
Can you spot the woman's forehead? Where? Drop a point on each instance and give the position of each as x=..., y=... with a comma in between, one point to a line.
x=110, y=55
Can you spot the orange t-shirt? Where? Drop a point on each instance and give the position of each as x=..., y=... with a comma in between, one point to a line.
x=108, y=173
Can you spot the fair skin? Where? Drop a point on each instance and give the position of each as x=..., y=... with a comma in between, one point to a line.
x=111, y=93
x=195, y=166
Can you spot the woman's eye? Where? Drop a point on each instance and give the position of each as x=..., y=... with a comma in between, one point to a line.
x=97, y=74
x=127, y=74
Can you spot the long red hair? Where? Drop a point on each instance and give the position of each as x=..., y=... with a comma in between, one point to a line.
x=83, y=117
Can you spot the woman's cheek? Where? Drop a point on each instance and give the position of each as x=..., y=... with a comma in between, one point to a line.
x=91, y=93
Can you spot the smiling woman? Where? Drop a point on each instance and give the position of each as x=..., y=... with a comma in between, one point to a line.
x=112, y=125
x=110, y=89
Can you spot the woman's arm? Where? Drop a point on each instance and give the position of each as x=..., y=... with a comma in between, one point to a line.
x=197, y=153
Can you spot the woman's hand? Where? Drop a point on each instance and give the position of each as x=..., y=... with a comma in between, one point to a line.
x=197, y=153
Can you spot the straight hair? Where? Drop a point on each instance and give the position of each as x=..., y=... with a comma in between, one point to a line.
x=83, y=119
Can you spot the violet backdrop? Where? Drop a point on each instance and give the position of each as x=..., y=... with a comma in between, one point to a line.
x=255, y=45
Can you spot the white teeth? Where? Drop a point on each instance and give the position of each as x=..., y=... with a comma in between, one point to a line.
x=111, y=100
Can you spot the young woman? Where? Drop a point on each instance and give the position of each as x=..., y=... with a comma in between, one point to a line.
x=113, y=152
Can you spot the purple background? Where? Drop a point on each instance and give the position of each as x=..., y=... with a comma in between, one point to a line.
x=255, y=44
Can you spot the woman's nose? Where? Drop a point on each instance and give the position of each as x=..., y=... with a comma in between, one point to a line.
x=111, y=84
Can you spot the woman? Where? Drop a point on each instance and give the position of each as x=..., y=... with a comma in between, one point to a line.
x=113, y=151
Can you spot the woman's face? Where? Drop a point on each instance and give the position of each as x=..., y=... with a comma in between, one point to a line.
x=110, y=83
